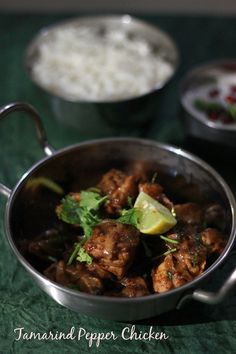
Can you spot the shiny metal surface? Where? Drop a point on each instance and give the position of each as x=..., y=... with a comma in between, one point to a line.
x=41, y=135
x=205, y=129
x=215, y=298
x=32, y=114
x=109, y=116
x=211, y=298
x=5, y=190
x=92, y=158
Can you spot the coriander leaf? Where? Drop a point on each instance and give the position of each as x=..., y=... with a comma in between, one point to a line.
x=232, y=111
x=83, y=212
x=83, y=256
x=91, y=200
x=79, y=253
x=130, y=216
x=205, y=106
x=74, y=253
x=68, y=211
x=88, y=220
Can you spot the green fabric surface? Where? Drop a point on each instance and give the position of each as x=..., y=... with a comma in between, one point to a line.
x=196, y=328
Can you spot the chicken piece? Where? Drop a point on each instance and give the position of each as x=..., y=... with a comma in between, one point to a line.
x=87, y=281
x=97, y=270
x=77, y=274
x=191, y=255
x=213, y=240
x=141, y=169
x=152, y=189
x=112, y=246
x=50, y=272
x=169, y=274
x=162, y=275
x=134, y=287
x=57, y=273
x=189, y=213
x=50, y=243
x=118, y=187
x=163, y=199
x=181, y=266
x=155, y=191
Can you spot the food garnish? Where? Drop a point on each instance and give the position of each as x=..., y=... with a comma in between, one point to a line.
x=154, y=218
x=169, y=240
x=80, y=254
x=106, y=248
x=84, y=212
x=130, y=216
x=215, y=111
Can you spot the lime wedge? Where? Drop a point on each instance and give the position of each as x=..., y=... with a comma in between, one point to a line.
x=154, y=218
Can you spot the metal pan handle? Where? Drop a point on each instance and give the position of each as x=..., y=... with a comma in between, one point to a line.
x=208, y=297
x=41, y=135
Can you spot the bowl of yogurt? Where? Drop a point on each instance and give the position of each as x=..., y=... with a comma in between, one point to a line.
x=208, y=99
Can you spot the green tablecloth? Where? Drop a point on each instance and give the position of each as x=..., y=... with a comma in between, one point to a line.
x=195, y=329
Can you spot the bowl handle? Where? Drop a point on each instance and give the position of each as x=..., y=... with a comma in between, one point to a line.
x=41, y=135
x=211, y=298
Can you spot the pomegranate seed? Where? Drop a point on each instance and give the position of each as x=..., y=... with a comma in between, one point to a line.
x=233, y=89
x=212, y=115
x=230, y=99
x=229, y=66
x=214, y=93
x=225, y=118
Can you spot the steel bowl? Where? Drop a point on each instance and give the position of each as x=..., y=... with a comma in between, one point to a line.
x=112, y=116
x=86, y=161
x=200, y=78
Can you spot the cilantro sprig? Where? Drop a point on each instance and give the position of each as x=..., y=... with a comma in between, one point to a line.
x=84, y=212
x=130, y=216
x=206, y=106
x=80, y=254
x=91, y=200
x=68, y=211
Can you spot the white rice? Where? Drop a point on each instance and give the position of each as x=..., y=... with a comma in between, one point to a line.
x=78, y=64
